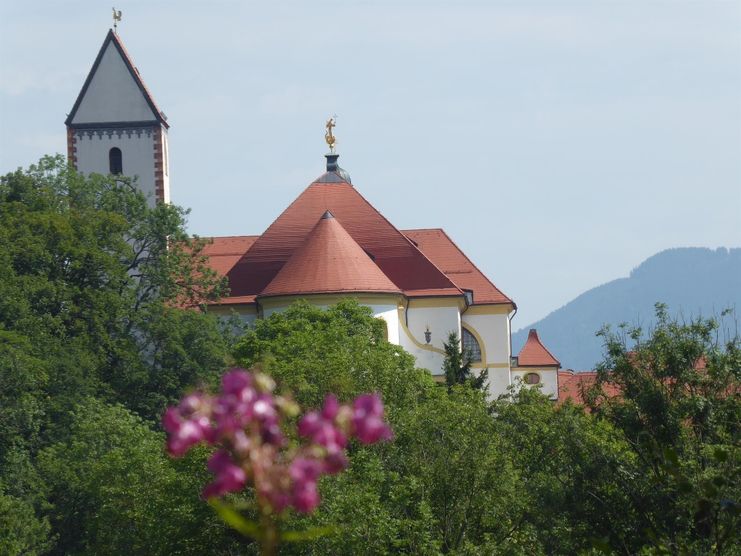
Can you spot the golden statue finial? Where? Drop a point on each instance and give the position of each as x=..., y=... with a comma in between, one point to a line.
x=329, y=137
x=116, y=19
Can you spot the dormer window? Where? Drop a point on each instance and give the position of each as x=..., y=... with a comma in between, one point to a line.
x=115, y=161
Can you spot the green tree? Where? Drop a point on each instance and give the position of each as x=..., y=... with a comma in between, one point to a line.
x=441, y=485
x=680, y=412
x=100, y=297
x=340, y=350
x=573, y=471
x=457, y=365
x=91, y=282
x=23, y=532
x=449, y=448
x=113, y=490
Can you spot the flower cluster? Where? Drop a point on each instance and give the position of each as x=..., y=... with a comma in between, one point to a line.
x=245, y=422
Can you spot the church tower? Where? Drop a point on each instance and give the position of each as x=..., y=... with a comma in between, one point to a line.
x=115, y=127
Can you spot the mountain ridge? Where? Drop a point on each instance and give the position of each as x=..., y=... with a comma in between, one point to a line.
x=692, y=281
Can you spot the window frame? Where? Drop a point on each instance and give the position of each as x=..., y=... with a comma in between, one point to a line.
x=115, y=155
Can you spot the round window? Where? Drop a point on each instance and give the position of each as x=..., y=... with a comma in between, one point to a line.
x=532, y=378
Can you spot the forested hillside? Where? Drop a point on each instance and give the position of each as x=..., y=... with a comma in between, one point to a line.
x=692, y=281
x=102, y=327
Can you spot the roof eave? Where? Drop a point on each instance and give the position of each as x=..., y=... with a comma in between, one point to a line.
x=328, y=292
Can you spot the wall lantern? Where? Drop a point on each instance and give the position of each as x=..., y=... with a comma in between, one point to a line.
x=428, y=335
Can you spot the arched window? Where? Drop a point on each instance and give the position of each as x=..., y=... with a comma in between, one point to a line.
x=532, y=378
x=471, y=347
x=115, y=161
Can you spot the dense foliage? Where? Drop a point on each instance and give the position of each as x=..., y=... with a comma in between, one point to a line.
x=100, y=328
x=93, y=286
x=680, y=413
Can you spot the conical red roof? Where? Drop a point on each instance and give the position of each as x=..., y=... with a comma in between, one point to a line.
x=392, y=252
x=329, y=261
x=535, y=354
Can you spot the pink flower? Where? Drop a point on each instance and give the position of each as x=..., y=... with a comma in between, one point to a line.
x=309, y=423
x=335, y=461
x=304, y=473
x=184, y=433
x=235, y=381
x=321, y=427
x=367, y=419
x=331, y=407
x=305, y=469
x=306, y=498
x=229, y=477
x=246, y=421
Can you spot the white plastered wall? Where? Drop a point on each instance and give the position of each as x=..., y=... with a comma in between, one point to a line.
x=548, y=379
x=137, y=155
x=441, y=320
x=246, y=313
x=493, y=332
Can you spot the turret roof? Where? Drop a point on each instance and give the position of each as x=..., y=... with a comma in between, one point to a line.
x=329, y=261
x=535, y=354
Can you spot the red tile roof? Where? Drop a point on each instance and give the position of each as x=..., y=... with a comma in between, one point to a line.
x=572, y=385
x=392, y=252
x=535, y=354
x=447, y=256
x=329, y=261
x=224, y=252
x=236, y=300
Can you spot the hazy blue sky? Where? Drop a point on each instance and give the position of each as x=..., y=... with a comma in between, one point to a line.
x=558, y=143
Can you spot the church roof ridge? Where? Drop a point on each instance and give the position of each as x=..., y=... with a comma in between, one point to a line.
x=113, y=37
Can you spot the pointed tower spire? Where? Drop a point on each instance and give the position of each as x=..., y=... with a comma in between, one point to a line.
x=115, y=126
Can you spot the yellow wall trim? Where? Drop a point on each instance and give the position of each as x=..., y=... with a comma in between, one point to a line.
x=330, y=299
x=490, y=366
x=503, y=309
x=403, y=325
x=448, y=301
x=226, y=309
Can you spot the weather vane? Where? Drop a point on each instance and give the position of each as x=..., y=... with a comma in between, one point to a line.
x=329, y=137
x=116, y=19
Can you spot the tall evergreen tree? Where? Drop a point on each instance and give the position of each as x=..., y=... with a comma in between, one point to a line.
x=457, y=365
